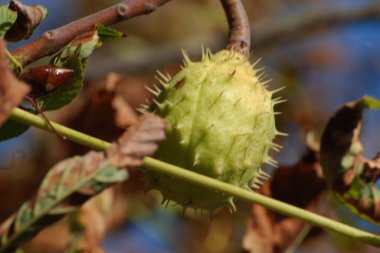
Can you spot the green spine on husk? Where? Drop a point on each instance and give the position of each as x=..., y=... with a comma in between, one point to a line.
x=220, y=124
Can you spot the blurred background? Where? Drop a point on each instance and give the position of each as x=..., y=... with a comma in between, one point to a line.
x=325, y=53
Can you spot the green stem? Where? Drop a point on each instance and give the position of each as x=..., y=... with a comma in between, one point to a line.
x=28, y=118
x=195, y=178
x=267, y=202
x=16, y=65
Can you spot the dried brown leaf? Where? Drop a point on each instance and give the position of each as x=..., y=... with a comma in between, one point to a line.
x=28, y=17
x=83, y=230
x=140, y=140
x=348, y=172
x=301, y=185
x=73, y=181
x=93, y=217
x=371, y=170
x=12, y=90
x=90, y=36
x=341, y=132
x=124, y=114
x=96, y=112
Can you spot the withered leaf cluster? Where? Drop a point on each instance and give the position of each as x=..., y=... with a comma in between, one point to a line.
x=73, y=181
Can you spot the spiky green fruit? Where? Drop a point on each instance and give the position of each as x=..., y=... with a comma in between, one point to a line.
x=220, y=124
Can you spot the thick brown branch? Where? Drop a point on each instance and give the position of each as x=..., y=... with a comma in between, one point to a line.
x=51, y=41
x=239, y=38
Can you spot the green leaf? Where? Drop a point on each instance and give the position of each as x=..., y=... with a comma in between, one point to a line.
x=66, y=93
x=109, y=175
x=23, y=215
x=7, y=18
x=106, y=33
x=81, y=47
x=63, y=210
x=11, y=129
x=73, y=56
x=369, y=103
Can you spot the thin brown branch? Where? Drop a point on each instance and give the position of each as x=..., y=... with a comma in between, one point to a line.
x=239, y=38
x=51, y=41
x=267, y=33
